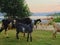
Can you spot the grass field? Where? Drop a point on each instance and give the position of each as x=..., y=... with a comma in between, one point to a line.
x=39, y=38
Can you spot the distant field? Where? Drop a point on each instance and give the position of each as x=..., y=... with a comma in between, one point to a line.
x=39, y=38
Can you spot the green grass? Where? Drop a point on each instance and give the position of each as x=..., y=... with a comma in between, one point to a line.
x=39, y=38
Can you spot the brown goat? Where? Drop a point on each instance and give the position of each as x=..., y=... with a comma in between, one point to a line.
x=57, y=29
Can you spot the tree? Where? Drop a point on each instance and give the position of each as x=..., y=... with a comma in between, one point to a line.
x=15, y=8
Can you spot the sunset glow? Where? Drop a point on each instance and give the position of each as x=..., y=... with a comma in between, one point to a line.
x=43, y=5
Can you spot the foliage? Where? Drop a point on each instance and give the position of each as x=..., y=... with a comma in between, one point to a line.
x=15, y=8
x=57, y=19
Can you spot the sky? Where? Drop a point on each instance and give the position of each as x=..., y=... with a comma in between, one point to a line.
x=43, y=5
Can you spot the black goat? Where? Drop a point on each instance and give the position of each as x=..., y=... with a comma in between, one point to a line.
x=35, y=22
x=5, y=25
x=24, y=25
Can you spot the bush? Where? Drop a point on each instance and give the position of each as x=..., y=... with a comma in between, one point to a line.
x=56, y=20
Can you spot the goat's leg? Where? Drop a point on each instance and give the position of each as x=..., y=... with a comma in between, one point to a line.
x=27, y=37
x=17, y=35
x=36, y=26
x=30, y=37
x=24, y=34
x=1, y=29
x=54, y=34
x=6, y=33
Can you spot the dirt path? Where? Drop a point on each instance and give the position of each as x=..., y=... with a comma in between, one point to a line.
x=0, y=24
x=50, y=27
